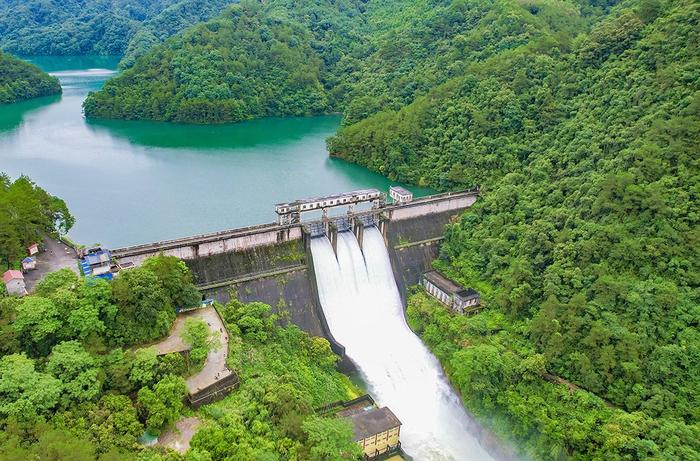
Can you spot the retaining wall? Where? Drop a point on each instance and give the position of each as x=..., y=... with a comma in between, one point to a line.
x=413, y=244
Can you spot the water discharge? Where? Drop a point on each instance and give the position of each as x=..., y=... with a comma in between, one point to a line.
x=361, y=302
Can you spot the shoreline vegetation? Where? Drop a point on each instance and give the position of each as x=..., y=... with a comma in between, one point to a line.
x=21, y=81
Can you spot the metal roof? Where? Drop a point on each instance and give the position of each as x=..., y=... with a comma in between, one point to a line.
x=401, y=190
x=11, y=275
x=449, y=286
x=442, y=282
x=98, y=258
x=328, y=197
x=372, y=421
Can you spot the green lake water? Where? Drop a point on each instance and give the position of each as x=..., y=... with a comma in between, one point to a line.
x=137, y=182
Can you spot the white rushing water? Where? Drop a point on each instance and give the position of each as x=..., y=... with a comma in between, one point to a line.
x=362, y=305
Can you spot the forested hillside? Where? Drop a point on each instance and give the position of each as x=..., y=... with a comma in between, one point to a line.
x=20, y=80
x=351, y=56
x=171, y=20
x=580, y=121
x=96, y=27
x=27, y=212
x=585, y=240
x=254, y=61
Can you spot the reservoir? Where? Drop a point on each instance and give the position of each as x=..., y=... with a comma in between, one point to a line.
x=135, y=182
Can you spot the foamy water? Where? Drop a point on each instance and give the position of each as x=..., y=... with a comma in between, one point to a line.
x=361, y=302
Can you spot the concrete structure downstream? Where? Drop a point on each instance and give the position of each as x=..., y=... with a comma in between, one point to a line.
x=272, y=262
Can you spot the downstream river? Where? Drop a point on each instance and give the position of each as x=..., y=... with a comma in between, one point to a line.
x=137, y=182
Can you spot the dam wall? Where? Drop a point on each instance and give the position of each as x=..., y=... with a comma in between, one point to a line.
x=414, y=243
x=451, y=203
x=272, y=263
x=215, y=243
x=280, y=275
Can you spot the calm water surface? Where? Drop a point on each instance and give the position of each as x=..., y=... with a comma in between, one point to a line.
x=136, y=182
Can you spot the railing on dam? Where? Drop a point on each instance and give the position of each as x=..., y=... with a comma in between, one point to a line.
x=271, y=233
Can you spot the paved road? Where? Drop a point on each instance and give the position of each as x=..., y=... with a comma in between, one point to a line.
x=55, y=256
x=215, y=366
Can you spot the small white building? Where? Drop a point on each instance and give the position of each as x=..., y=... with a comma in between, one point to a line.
x=454, y=296
x=28, y=264
x=400, y=195
x=32, y=249
x=14, y=283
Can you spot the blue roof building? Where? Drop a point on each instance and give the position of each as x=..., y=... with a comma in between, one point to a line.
x=97, y=263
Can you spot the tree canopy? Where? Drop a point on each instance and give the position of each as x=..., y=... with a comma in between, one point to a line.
x=66, y=380
x=20, y=80
x=27, y=212
x=96, y=27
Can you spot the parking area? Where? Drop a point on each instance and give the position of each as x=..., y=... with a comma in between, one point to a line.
x=56, y=255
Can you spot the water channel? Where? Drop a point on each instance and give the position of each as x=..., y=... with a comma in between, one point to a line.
x=361, y=302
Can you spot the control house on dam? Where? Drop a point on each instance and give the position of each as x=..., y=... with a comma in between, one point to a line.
x=272, y=263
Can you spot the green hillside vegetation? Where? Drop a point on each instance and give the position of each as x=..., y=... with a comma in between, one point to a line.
x=27, y=212
x=253, y=61
x=20, y=80
x=74, y=383
x=96, y=27
x=169, y=22
x=584, y=243
x=280, y=58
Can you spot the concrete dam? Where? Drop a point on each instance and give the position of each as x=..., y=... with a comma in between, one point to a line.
x=272, y=263
x=343, y=275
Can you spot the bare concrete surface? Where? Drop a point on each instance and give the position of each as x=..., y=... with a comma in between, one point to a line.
x=174, y=343
x=215, y=366
x=178, y=438
x=56, y=256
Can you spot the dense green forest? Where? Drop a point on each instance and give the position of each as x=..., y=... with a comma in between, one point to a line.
x=255, y=60
x=20, y=80
x=580, y=121
x=584, y=241
x=281, y=58
x=72, y=386
x=96, y=27
x=27, y=212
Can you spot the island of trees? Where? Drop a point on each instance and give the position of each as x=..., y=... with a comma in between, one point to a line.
x=20, y=80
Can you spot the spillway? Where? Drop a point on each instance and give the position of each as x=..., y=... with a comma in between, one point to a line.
x=363, y=308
